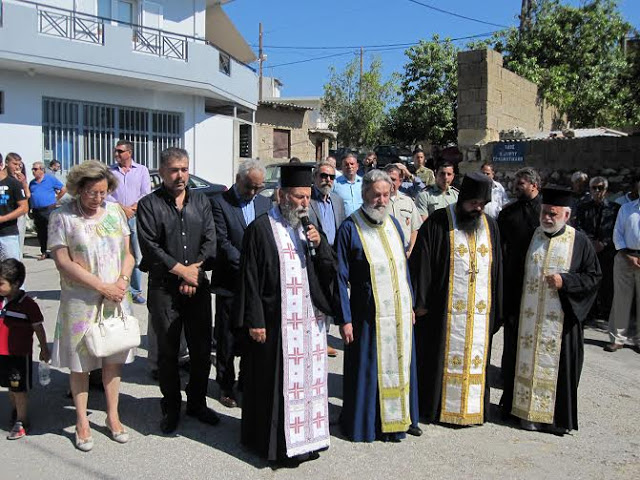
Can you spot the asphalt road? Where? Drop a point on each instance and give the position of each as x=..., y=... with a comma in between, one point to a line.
x=606, y=446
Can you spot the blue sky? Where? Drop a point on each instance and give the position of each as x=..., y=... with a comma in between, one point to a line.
x=351, y=23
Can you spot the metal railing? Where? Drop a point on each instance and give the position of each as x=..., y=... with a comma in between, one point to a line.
x=65, y=23
x=160, y=43
x=72, y=25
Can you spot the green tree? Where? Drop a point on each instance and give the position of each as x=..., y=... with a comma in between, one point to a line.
x=428, y=90
x=356, y=107
x=576, y=56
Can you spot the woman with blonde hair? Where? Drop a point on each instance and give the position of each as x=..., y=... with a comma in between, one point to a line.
x=89, y=241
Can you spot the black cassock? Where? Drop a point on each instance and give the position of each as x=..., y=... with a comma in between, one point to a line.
x=429, y=266
x=578, y=292
x=262, y=427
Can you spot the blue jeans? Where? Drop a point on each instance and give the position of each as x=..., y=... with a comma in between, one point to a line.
x=136, y=274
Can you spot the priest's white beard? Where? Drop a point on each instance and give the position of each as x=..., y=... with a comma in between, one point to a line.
x=293, y=214
x=377, y=213
x=558, y=224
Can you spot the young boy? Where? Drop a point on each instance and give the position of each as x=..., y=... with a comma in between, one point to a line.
x=20, y=317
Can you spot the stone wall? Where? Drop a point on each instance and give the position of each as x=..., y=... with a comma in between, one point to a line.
x=615, y=158
x=492, y=98
x=269, y=118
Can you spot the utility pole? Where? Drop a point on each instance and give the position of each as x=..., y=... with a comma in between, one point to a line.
x=260, y=62
x=525, y=15
x=361, y=69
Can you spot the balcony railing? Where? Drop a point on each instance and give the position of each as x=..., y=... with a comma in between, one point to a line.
x=72, y=25
x=160, y=43
x=64, y=23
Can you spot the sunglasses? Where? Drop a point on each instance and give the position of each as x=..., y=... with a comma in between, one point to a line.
x=35, y=169
x=598, y=188
x=326, y=176
x=119, y=150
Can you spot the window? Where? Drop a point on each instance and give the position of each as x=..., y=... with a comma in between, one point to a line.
x=104, y=8
x=76, y=131
x=225, y=63
x=125, y=11
x=245, y=140
x=281, y=143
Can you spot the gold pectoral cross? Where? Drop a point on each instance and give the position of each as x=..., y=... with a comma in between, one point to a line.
x=473, y=272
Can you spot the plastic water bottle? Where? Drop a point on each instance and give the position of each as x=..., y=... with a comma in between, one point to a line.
x=44, y=373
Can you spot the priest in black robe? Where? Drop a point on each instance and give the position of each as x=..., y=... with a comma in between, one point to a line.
x=516, y=222
x=560, y=284
x=260, y=315
x=432, y=275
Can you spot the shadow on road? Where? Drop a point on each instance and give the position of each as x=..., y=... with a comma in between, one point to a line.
x=45, y=294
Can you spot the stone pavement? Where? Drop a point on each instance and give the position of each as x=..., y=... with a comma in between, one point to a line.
x=606, y=446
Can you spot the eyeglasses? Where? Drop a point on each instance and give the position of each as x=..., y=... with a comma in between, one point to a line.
x=326, y=176
x=92, y=194
x=120, y=151
x=33, y=169
x=599, y=188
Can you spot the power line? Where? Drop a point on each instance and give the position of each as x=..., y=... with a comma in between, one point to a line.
x=453, y=14
x=311, y=59
x=370, y=47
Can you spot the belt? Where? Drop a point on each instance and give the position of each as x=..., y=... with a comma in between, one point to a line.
x=630, y=250
x=48, y=207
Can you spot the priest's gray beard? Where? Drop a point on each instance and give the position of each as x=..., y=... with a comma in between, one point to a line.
x=377, y=213
x=556, y=227
x=293, y=214
x=468, y=221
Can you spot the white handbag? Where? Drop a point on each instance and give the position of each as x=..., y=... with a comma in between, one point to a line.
x=112, y=335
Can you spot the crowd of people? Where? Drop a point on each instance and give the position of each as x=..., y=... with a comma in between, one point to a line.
x=417, y=274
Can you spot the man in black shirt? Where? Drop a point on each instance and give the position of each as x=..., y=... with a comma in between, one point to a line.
x=178, y=242
x=596, y=217
x=13, y=204
x=517, y=223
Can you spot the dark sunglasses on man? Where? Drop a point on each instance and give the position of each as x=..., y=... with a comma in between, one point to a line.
x=598, y=188
x=326, y=176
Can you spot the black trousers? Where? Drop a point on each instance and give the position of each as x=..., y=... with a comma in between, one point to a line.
x=170, y=312
x=41, y=222
x=227, y=345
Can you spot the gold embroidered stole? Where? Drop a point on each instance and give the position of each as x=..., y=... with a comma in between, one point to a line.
x=540, y=328
x=467, y=338
x=394, y=329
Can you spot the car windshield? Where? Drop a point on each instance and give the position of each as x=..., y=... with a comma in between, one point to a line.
x=196, y=182
x=272, y=174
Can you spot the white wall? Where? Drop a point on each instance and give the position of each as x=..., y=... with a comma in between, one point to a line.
x=208, y=139
x=214, y=152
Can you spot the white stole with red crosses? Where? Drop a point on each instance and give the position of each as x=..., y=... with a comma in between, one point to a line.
x=304, y=346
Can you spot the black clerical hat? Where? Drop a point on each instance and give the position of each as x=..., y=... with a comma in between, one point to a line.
x=296, y=175
x=557, y=196
x=475, y=185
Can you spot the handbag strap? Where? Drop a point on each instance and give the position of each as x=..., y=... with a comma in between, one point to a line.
x=119, y=311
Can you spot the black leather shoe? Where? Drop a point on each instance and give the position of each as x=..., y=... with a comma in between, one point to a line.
x=169, y=422
x=416, y=431
x=204, y=415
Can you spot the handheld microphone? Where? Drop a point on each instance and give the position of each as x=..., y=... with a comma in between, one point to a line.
x=305, y=225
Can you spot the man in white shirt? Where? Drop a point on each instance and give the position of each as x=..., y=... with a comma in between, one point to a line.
x=626, y=277
x=403, y=209
x=499, y=197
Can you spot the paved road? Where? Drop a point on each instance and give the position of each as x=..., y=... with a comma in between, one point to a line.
x=606, y=446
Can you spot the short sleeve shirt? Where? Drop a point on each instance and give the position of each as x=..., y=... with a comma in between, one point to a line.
x=43, y=193
x=426, y=175
x=11, y=192
x=406, y=212
x=433, y=199
x=17, y=321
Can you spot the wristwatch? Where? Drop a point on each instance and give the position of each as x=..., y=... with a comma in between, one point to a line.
x=125, y=278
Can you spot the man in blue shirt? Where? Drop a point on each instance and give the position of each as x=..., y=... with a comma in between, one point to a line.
x=46, y=191
x=349, y=185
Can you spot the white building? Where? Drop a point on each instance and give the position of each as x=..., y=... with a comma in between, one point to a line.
x=77, y=75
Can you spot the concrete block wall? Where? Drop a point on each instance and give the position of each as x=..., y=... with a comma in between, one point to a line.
x=270, y=118
x=492, y=98
x=615, y=158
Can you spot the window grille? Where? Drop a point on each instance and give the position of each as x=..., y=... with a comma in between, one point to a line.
x=70, y=127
